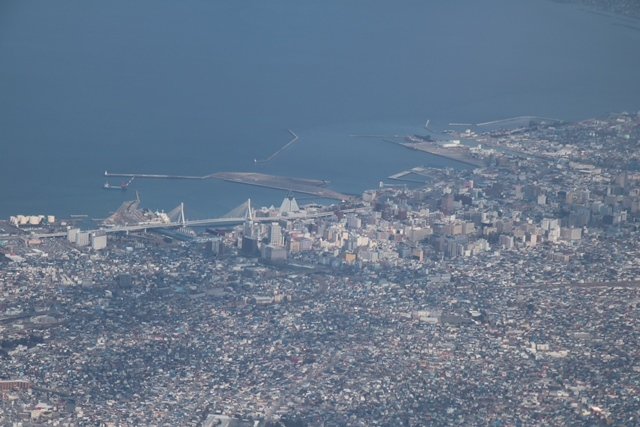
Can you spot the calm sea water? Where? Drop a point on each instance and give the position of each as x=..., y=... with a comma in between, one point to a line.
x=198, y=87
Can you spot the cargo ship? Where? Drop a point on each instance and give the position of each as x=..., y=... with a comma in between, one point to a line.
x=123, y=185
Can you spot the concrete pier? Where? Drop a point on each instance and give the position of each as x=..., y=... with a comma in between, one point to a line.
x=268, y=159
x=515, y=119
x=299, y=185
x=142, y=175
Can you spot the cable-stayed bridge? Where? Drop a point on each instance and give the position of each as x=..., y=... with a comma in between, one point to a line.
x=236, y=215
x=177, y=219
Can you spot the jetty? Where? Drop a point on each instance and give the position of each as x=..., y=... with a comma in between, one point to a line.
x=284, y=147
x=517, y=119
x=152, y=176
x=458, y=154
x=299, y=185
x=376, y=136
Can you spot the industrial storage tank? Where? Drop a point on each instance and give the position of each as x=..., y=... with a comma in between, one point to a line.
x=13, y=220
x=51, y=219
x=23, y=219
x=34, y=220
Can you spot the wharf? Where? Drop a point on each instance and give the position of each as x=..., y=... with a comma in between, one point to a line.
x=155, y=176
x=426, y=173
x=458, y=154
x=376, y=136
x=519, y=118
x=299, y=185
x=127, y=213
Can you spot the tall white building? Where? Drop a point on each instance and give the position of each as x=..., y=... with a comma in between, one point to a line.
x=82, y=238
x=275, y=234
x=71, y=234
x=250, y=229
x=98, y=240
x=353, y=222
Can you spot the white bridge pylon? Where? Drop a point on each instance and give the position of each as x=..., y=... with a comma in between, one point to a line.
x=177, y=215
x=240, y=213
x=243, y=211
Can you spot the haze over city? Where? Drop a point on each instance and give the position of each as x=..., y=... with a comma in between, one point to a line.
x=319, y=214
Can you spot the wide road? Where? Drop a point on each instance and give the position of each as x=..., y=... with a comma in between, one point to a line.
x=613, y=284
x=197, y=222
